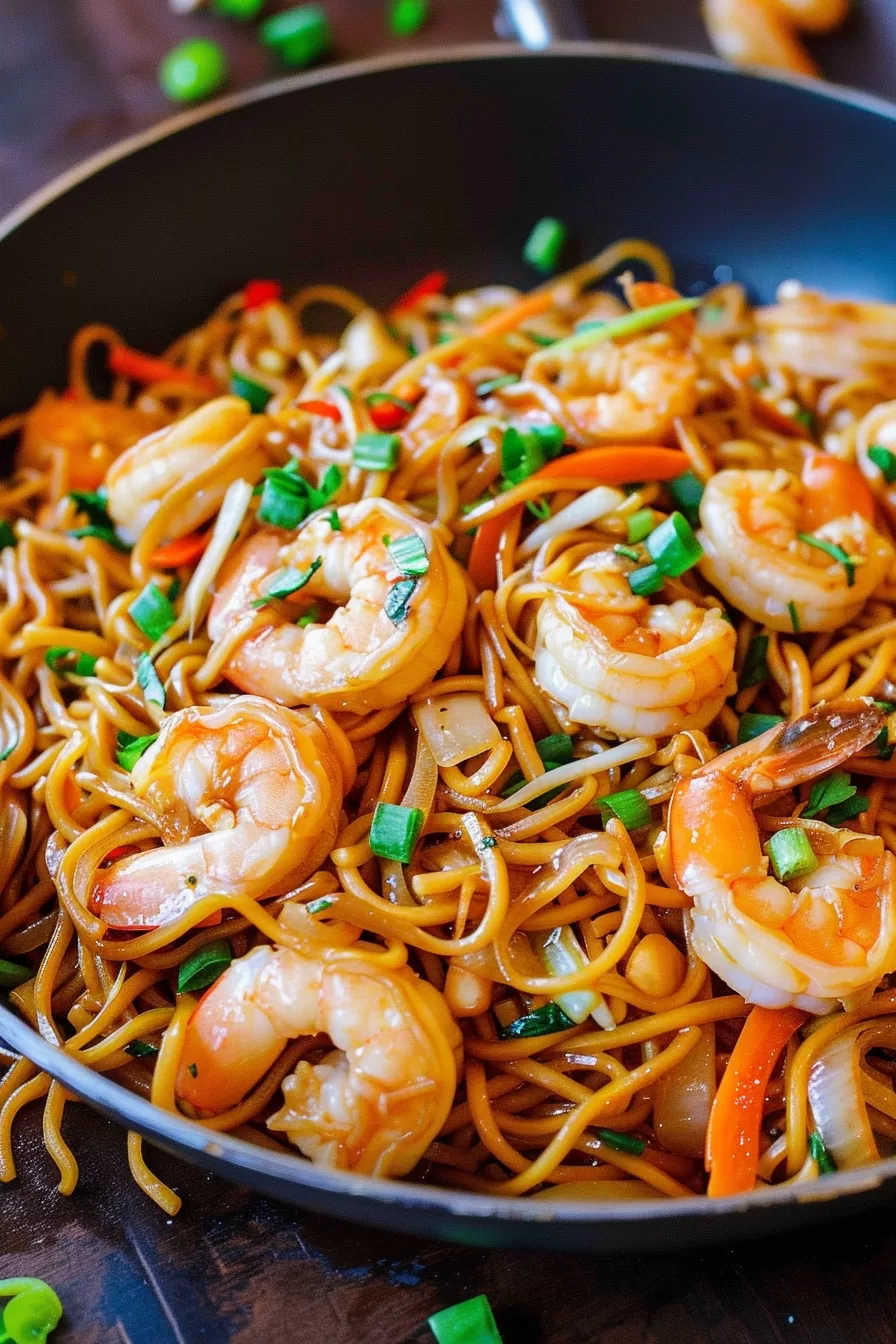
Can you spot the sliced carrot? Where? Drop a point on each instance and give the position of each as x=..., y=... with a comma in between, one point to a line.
x=732, y=1137
x=833, y=488
x=183, y=551
x=128, y=363
x=482, y=562
x=646, y=293
x=508, y=319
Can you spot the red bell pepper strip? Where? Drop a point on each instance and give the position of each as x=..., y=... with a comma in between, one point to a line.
x=256, y=293
x=433, y=283
x=128, y=363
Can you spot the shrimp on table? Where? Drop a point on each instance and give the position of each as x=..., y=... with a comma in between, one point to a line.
x=138, y=482
x=248, y=797
x=375, y=1102
x=768, y=538
x=91, y=435
x=618, y=662
x=826, y=936
x=389, y=634
x=815, y=336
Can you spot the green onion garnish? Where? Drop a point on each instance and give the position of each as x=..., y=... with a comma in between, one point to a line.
x=820, y=1155
x=204, y=966
x=645, y=581
x=310, y=616
x=106, y=534
x=523, y=452
x=545, y=1020
x=334, y=521
x=320, y=905
x=640, y=524
x=629, y=806
x=805, y=418
x=70, y=662
x=12, y=974
x=8, y=751
x=492, y=384
x=7, y=536
x=256, y=394
x=141, y=1049
x=32, y=1313
x=794, y=617
x=130, y=748
x=852, y=807
x=756, y=663
x=544, y=245
x=409, y=555
x=148, y=679
x=287, y=582
x=673, y=546
x=640, y=320
x=537, y=339
x=298, y=37
x=387, y=398
x=835, y=552
x=93, y=503
x=791, y=854
x=284, y=500
x=687, y=491
x=627, y=553
x=152, y=613
x=376, y=452
x=826, y=792
x=556, y=749
x=752, y=725
x=395, y=831
x=398, y=599
x=539, y=508
x=470, y=1322
x=624, y=1143
x=885, y=460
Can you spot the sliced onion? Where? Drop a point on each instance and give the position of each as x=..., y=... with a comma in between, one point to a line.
x=456, y=727
x=562, y=954
x=420, y=792
x=835, y=1095
x=369, y=348
x=227, y=524
x=594, y=504
x=684, y=1097
x=596, y=764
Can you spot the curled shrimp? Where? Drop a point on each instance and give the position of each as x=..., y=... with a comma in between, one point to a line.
x=756, y=32
x=139, y=480
x=754, y=525
x=629, y=392
x=375, y=1102
x=361, y=658
x=827, y=936
x=624, y=664
x=91, y=435
x=828, y=339
x=248, y=797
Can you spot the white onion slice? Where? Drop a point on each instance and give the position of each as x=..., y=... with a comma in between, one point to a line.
x=420, y=792
x=596, y=764
x=835, y=1095
x=562, y=954
x=227, y=524
x=456, y=727
x=684, y=1096
x=594, y=504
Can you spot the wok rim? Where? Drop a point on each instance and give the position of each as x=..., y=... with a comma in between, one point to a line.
x=207, y=1148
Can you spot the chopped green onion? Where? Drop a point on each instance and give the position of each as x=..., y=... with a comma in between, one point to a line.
x=106, y=534
x=395, y=831
x=627, y=553
x=492, y=384
x=93, y=503
x=623, y=1143
x=241, y=10
x=310, y=616
x=193, y=70
x=756, y=663
x=805, y=418
x=320, y=905
x=334, y=521
x=820, y=1155
x=525, y=451
x=687, y=491
x=630, y=806
x=256, y=394
x=152, y=613
x=470, y=1322
x=544, y=245
x=141, y=1049
x=32, y=1313
x=8, y=751
x=131, y=748
x=298, y=37
x=12, y=974
x=70, y=662
x=329, y=486
x=7, y=536
x=549, y=438
x=640, y=524
x=539, y=508
x=752, y=725
x=284, y=500
x=794, y=617
x=376, y=452
x=791, y=854
x=148, y=679
x=289, y=581
x=174, y=589
x=640, y=320
x=826, y=792
x=537, y=339
x=545, y=1020
x=204, y=966
x=407, y=17
x=398, y=599
x=409, y=555
x=673, y=546
x=556, y=749
x=835, y=552
x=885, y=460
x=387, y=398
x=852, y=807
x=645, y=581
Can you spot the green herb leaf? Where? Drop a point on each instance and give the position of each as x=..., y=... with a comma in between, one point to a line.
x=826, y=792
x=756, y=663
x=752, y=725
x=409, y=555
x=623, y=1143
x=148, y=679
x=539, y=508
x=130, y=749
x=287, y=582
x=256, y=394
x=852, y=807
x=7, y=535
x=13, y=974
x=687, y=491
x=106, y=534
x=544, y=1021
x=152, y=613
x=794, y=617
x=93, y=503
x=334, y=521
x=141, y=1049
x=398, y=599
x=884, y=460
x=8, y=751
x=204, y=966
x=835, y=552
x=70, y=662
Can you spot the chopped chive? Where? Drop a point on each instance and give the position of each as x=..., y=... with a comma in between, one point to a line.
x=376, y=452
x=791, y=854
x=756, y=663
x=70, y=662
x=687, y=491
x=204, y=966
x=174, y=589
x=7, y=536
x=106, y=534
x=539, y=508
x=627, y=553
x=256, y=394
x=469, y=1322
x=387, y=398
x=545, y=243
x=289, y=581
x=645, y=581
x=492, y=384
x=140, y=1049
x=395, y=831
x=555, y=749
x=837, y=788
x=884, y=460
x=673, y=546
x=752, y=725
x=820, y=1155
x=629, y=806
x=398, y=599
x=545, y=1020
x=8, y=751
x=409, y=555
x=333, y=520
x=93, y=503
x=320, y=905
x=523, y=452
x=152, y=613
x=13, y=974
x=193, y=1070
x=148, y=679
x=845, y=811
x=640, y=524
x=284, y=500
x=640, y=320
x=623, y=1143
x=130, y=748
x=805, y=418
x=310, y=616
x=537, y=339
x=835, y=552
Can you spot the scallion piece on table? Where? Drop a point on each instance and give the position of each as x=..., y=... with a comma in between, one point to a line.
x=13, y=974
x=70, y=662
x=376, y=452
x=640, y=524
x=791, y=854
x=820, y=1155
x=545, y=243
x=395, y=831
x=256, y=394
x=298, y=37
x=645, y=580
x=837, y=788
x=884, y=460
x=152, y=613
x=623, y=1143
x=755, y=671
x=673, y=546
x=204, y=966
x=545, y=1020
x=130, y=749
x=407, y=17
x=629, y=806
x=288, y=581
x=193, y=70
x=469, y=1322
x=835, y=552
x=409, y=555
x=148, y=679
x=493, y=384
x=752, y=725
x=687, y=491
x=398, y=599
x=7, y=535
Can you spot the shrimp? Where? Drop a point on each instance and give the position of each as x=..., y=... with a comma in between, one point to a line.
x=629, y=392
x=362, y=658
x=619, y=663
x=828, y=339
x=91, y=435
x=828, y=936
x=248, y=797
x=139, y=480
x=754, y=525
x=375, y=1102
x=815, y=16
x=443, y=408
x=755, y=32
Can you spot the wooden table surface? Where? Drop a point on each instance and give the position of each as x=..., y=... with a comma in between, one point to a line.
x=76, y=75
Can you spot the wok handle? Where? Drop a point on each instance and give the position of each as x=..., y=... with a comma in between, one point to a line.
x=538, y=23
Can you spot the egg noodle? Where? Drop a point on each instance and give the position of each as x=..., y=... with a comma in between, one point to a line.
x=422, y=747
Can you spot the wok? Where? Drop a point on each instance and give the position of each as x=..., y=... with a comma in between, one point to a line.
x=371, y=175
